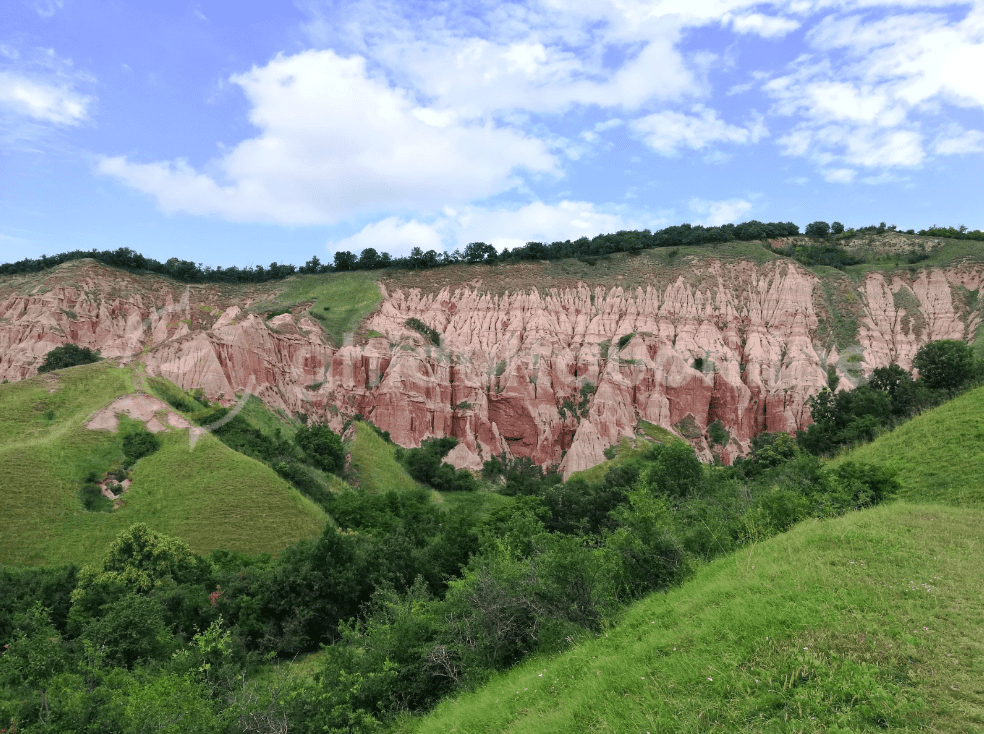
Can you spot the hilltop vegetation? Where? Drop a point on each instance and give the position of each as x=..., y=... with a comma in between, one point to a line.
x=631, y=241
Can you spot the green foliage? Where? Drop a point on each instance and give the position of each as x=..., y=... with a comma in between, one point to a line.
x=425, y=465
x=138, y=444
x=68, y=355
x=809, y=631
x=817, y=229
x=624, y=340
x=322, y=446
x=93, y=500
x=432, y=335
x=822, y=253
x=947, y=364
x=675, y=472
x=718, y=433
x=849, y=417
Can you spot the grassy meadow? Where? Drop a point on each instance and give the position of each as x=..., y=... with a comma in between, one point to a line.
x=211, y=497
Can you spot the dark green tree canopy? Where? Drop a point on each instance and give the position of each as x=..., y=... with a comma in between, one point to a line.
x=322, y=446
x=818, y=229
x=68, y=355
x=945, y=364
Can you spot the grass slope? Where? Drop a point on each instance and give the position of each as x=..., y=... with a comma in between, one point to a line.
x=374, y=462
x=862, y=622
x=212, y=497
x=340, y=300
x=939, y=455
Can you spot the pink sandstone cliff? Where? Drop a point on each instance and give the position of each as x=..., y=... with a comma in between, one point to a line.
x=538, y=375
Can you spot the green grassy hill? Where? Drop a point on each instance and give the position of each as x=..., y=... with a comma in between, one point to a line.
x=939, y=455
x=212, y=497
x=865, y=622
x=374, y=463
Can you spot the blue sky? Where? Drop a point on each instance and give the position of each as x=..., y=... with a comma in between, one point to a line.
x=244, y=133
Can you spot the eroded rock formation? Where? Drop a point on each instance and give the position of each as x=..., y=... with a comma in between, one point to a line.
x=557, y=376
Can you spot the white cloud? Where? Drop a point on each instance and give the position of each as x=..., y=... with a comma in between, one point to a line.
x=667, y=132
x=478, y=77
x=839, y=175
x=536, y=222
x=716, y=213
x=960, y=143
x=47, y=8
x=501, y=227
x=335, y=142
x=46, y=102
x=391, y=235
x=871, y=84
x=766, y=26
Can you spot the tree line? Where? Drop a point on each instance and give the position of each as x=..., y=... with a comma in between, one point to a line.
x=480, y=252
x=371, y=259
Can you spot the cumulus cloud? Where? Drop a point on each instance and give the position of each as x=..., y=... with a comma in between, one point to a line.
x=716, y=213
x=536, y=222
x=392, y=235
x=502, y=227
x=336, y=141
x=870, y=85
x=43, y=101
x=667, y=132
x=840, y=175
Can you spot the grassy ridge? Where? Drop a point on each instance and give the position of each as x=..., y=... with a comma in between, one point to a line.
x=939, y=455
x=212, y=497
x=375, y=464
x=867, y=621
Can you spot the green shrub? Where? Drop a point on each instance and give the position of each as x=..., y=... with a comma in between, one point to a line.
x=68, y=355
x=946, y=364
x=93, y=499
x=817, y=229
x=718, y=433
x=322, y=446
x=421, y=328
x=138, y=444
x=624, y=340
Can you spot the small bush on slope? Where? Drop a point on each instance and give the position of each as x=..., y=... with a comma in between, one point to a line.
x=68, y=355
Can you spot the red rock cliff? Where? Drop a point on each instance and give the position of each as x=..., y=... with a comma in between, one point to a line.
x=556, y=376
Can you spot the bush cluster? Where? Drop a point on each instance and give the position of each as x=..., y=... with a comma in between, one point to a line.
x=68, y=355
x=426, y=465
x=847, y=417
